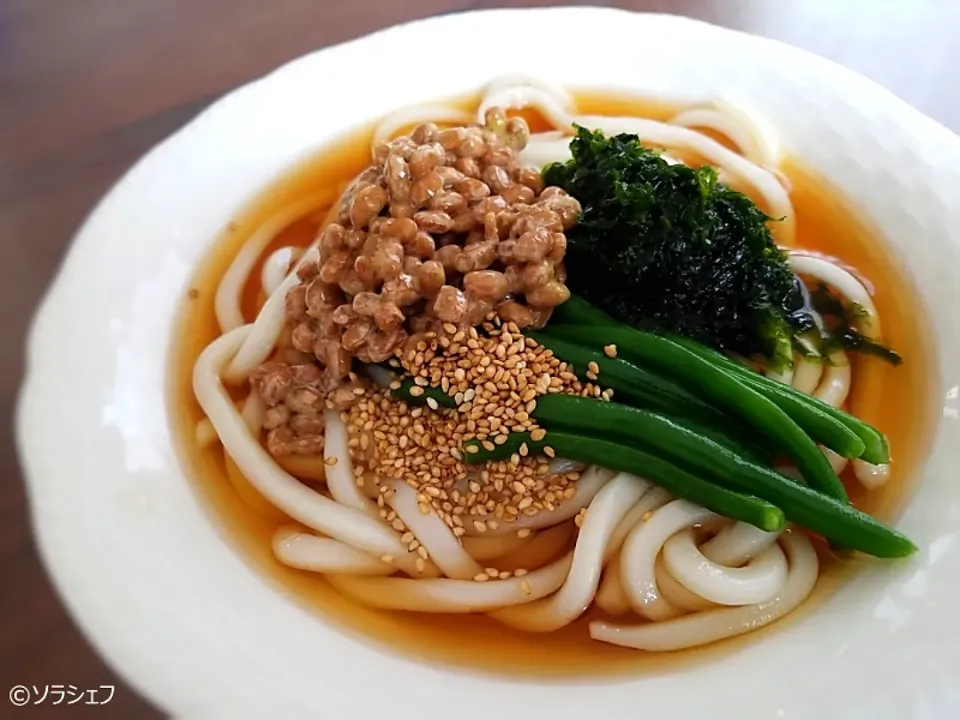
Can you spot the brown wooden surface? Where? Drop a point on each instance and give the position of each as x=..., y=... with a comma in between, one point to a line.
x=87, y=86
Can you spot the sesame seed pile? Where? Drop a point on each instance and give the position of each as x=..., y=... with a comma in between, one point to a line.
x=495, y=378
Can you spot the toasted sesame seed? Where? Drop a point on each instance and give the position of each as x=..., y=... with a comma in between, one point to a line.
x=416, y=391
x=481, y=577
x=433, y=404
x=526, y=587
x=549, y=451
x=524, y=532
x=593, y=367
x=387, y=558
x=330, y=461
x=420, y=564
x=610, y=350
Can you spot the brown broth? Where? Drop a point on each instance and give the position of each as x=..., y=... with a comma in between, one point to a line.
x=904, y=410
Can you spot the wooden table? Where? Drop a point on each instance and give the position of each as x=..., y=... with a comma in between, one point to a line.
x=87, y=86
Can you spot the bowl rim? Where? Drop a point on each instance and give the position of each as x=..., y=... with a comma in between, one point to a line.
x=112, y=431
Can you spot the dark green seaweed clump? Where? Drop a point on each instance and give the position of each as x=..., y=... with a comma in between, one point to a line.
x=668, y=248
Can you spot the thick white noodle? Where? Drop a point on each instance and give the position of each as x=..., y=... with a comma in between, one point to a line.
x=738, y=543
x=676, y=594
x=712, y=625
x=653, y=499
x=252, y=413
x=758, y=581
x=835, y=382
x=540, y=152
x=784, y=375
x=806, y=373
x=380, y=375
x=640, y=550
x=350, y=526
x=762, y=182
x=267, y=327
x=306, y=551
x=434, y=534
x=205, y=433
x=453, y=596
x=868, y=323
x=543, y=548
x=587, y=486
x=575, y=595
x=749, y=133
x=226, y=302
x=275, y=268
x=339, y=471
x=414, y=115
x=483, y=548
x=549, y=135
x=559, y=93
x=610, y=596
x=519, y=97
x=871, y=476
x=845, y=283
x=837, y=462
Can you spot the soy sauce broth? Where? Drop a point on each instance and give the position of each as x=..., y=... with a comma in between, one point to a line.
x=899, y=401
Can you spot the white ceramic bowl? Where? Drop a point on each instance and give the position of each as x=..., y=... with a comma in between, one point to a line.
x=171, y=605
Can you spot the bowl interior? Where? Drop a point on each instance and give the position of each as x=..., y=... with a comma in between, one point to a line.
x=150, y=578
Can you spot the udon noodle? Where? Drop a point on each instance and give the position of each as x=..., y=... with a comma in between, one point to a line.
x=667, y=573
